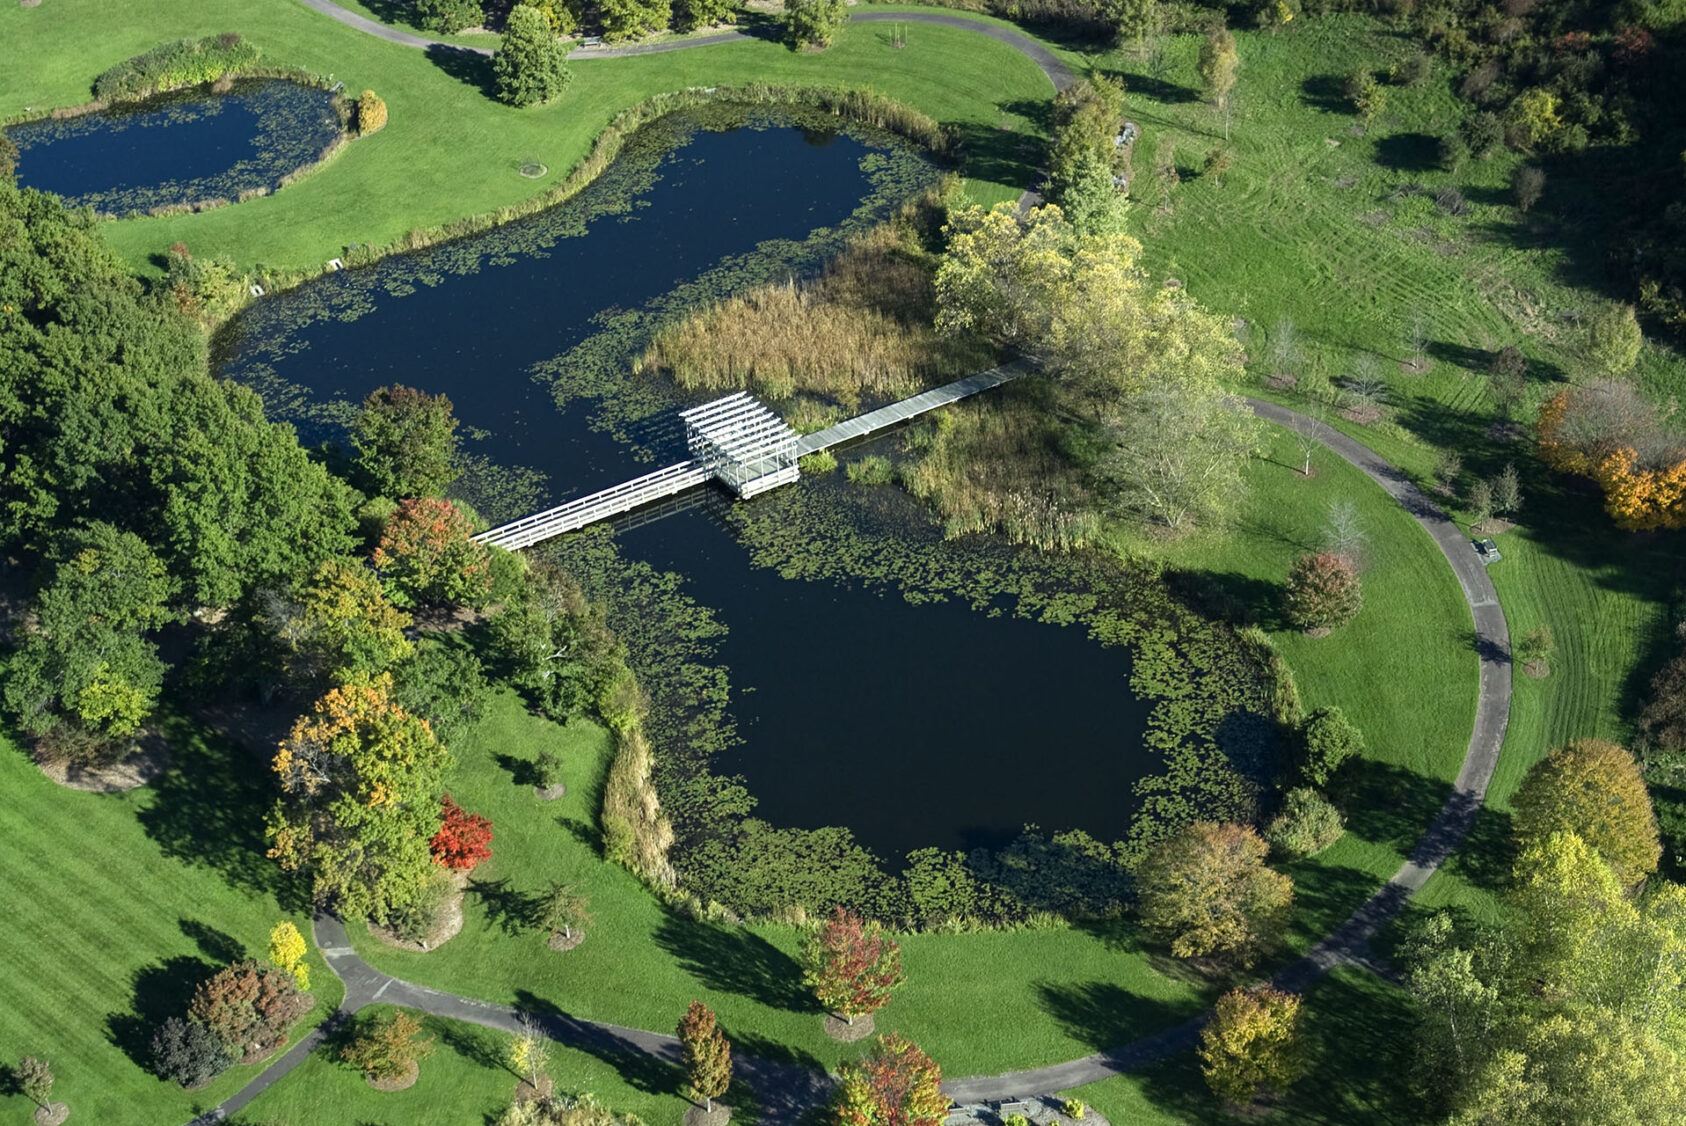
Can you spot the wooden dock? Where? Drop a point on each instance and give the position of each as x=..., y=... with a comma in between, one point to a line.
x=909, y=408
x=675, y=479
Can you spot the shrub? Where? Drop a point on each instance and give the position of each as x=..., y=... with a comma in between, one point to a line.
x=175, y=66
x=1323, y=592
x=1485, y=133
x=692, y=14
x=1307, y=825
x=388, y=1046
x=1329, y=739
x=188, y=1053
x=1527, y=183
x=630, y=19
x=531, y=66
x=872, y=470
x=464, y=839
x=1450, y=200
x=1207, y=892
x=248, y=1007
x=1368, y=97
x=8, y=156
x=1613, y=339
x=559, y=15
x=447, y=17
x=371, y=113
x=1452, y=151
x=813, y=23
x=1414, y=70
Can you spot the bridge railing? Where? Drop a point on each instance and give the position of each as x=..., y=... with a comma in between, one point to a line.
x=578, y=513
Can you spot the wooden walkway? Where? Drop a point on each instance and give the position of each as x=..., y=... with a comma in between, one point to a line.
x=912, y=407
x=663, y=483
x=577, y=514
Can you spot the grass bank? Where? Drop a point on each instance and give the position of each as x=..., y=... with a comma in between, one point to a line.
x=117, y=906
x=451, y=151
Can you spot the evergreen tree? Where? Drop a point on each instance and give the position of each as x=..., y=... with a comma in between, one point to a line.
x=531, y=65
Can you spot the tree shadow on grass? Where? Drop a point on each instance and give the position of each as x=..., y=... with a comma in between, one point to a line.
x=1104, y=1015
x=522, y=772
x=1408, y=152
x=1358, y=1031
x=468, y=67
x=1387, y=804
x=1326, y=92
x=161, y=991
x=653, y=1074
x=509, y=909
x=1325, y=896
x=735, y=960
x=479, y=1046
x=208, y=810
x=1229, y=596
x=214, y=944
x=1156, y=89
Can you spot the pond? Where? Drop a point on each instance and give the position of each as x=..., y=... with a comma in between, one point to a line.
x=930, y=724
x=182, y=148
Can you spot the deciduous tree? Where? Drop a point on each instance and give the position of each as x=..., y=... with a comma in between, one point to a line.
x=705, y=1054
x=894, y=1084
x=406, y=442
x=1217, y=63
x=34, y=1079
x=1329, y=738
x=814, y=23
x=851, y=965
x=287, y=951
x=345, y=627
x=564, y=912
x=1323, y=592
x=1207, y=892
x=426, y=557
x=1596, y=790
x=1250, y=1046
x=1306, y=826
x=84, y=658
x=464, y=839
x=388, y=1046
x=248, y=1007
x=1177, y=457
x=361, y=780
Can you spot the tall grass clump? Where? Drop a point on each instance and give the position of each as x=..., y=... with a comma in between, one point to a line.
x=176, y=66
x=860, y=329
x=1002, y=466
x=636, y=833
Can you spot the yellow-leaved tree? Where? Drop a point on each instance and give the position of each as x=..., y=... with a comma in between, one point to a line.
x=1250, y=1046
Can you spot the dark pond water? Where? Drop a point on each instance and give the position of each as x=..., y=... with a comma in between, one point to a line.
x=179, y=148
x=914, y=725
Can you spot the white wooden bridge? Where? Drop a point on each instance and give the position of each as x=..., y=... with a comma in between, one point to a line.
x=740, y=443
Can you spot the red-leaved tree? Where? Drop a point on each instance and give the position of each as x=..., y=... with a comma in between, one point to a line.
x=1323, y=592
x=895, y=1084
x=464, y=839
x=851, y=965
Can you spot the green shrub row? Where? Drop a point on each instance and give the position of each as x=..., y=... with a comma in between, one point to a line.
x=176, y=66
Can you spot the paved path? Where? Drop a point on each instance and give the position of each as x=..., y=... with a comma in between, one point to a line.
x=1349, y=943
x=786, y=1088
x=1049, y=63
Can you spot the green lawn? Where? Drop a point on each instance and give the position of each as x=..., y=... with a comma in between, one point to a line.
x=1317, y=222
x=1042, y=995
x=451, y=151
x=1357, y=1030
x=116, y=907
x=466, y=1078
x=1403, y=670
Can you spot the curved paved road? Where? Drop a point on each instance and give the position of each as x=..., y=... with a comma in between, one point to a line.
x=785, y=1089
x=1050, y=64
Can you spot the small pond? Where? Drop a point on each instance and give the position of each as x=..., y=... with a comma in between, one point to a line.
x=912, y=724
x=180, y=148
